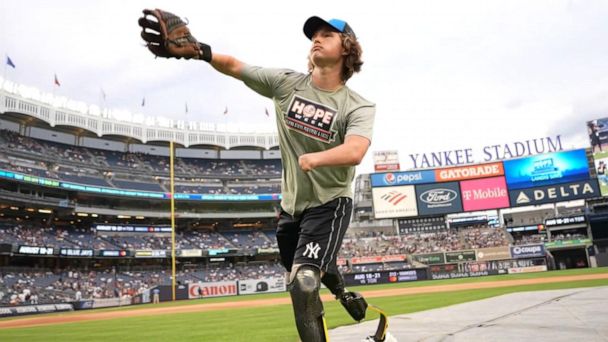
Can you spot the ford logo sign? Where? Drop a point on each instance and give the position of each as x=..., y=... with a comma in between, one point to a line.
x=437, y=196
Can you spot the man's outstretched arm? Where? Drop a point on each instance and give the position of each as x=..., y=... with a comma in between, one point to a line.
x=227, y=65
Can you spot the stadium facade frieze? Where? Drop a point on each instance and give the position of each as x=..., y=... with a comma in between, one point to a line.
x=181, y=132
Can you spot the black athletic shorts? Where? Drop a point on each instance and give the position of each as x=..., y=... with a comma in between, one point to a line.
x=315, y=236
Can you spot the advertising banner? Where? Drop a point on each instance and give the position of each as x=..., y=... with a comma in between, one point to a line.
x=377, y=259
x=35, y=250
x=442, y=198
x=469, y=172
x=555, y=193
x=483, y=194
x=189, y=253
x=568, y=243
x=402, y=178
x=493, y=253
x=386, y=161
x=118, y=228
x=429, y=259
x=529, y=251
x=395, y=201
x=383, y=277
x=113, y=253
x=212, y=289
x=600, y=160
x=454, y=272
x=597, y=130
x=565, y=221
x=547, y=169
x=266, y=285
x=422, y=225
x=460, y=256
x=529, y=269
x=34, y=309
x=500, y=265
x=76, y=252
x=152, y=253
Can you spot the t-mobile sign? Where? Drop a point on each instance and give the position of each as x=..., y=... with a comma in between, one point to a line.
x=483, y=194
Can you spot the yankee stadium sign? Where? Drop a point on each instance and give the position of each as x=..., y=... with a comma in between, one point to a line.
x=486, y=154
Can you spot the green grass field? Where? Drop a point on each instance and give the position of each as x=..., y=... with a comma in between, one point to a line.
x=273, y=323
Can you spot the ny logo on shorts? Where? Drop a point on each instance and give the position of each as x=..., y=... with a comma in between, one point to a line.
x=312, y=250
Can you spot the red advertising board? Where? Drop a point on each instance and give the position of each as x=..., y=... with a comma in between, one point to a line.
x=483, y=194
x=377, y=259
x=469, y=172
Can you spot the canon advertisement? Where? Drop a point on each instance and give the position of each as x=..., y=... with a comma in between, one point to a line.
x=212, y=289
x=395, y=201
x=555, y=193
x=547, y=169
x=402, y=178
x=483, y=194
x=529, y=251
x=443, y=198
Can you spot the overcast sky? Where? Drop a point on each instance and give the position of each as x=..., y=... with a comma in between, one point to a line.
x=445, y=74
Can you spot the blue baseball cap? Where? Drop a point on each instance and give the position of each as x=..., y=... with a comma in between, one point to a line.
x=312, y=25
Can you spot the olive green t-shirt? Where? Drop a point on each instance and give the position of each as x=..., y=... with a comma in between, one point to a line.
x=311, y=120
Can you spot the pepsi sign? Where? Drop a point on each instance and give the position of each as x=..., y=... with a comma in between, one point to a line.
x=402, y=178
x=441, y=198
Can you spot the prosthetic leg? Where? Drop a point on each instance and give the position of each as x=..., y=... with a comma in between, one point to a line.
x=305, y=281
x=356, y=306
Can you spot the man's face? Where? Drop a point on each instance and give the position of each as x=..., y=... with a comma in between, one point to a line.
x=326, y=47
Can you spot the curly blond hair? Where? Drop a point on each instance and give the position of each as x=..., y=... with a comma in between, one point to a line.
x=352, y=59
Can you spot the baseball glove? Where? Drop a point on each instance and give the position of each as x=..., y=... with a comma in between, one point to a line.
x=169, y=37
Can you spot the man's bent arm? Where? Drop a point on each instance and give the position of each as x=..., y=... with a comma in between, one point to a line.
x=227, y=65
x=348, y=154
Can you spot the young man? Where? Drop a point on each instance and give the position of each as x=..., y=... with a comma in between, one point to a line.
x=325, y=130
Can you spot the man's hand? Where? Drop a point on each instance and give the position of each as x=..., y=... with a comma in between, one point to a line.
x=308, y=162
x=348, y=154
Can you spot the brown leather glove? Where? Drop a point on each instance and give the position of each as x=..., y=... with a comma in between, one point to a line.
x=169, y=37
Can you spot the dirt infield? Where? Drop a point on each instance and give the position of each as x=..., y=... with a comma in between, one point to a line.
x=93, y=316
